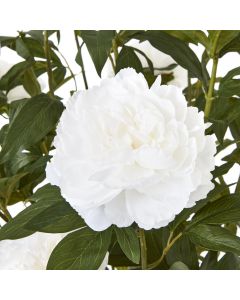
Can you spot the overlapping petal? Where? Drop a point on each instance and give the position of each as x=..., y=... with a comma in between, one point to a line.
x=126, y=153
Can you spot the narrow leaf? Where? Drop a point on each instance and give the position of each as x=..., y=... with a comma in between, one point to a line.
x=35, y=119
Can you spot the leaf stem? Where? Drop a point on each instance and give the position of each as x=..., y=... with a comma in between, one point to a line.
x=69, y=68
x=143, y=248
x=49, y=69
x=170, y=243
x=210, y=95
x=115, y=50
x=44, y=148
x=3, y=217
x=112, y=63
x=6, y=213
x=82, y=65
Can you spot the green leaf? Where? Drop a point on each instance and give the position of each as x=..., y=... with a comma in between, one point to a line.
x=190, y=36
x=224, y=111
x=232, y=46
x=229, y=261
x=156, y=241
x=3, y=133
x=13, y=77
x=228, y=85
x=44, y=198
x=58, y=76
x=19, y=161
x=9, y=185
x=235, y=130
x=219, y=127
x=22, y=49
x=83, y=249
x=36, y=49
x=124, y=36
x=35, y=119
x=215, y=194
x=128, y=59
x=30, y=83
x=185, y=251
x=60, y=217
x=233, y=157
x=178, y=265
x=149, y=62
x=36, y=34
x=176, y=48
x=223, y=210
x=222, y=170
x=98, y=44
x=210, y=261
x=3, y=98
x=214, y=238
x=7, y=40
x=225, y=37
x=129, y=243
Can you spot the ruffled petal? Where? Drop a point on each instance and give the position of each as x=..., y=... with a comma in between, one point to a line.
x=116, y=211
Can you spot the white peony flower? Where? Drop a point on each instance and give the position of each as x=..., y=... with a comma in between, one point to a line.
x=126, y=153
x=18, y=92
x=29, y=253
x=159, y=59
x=32, y=252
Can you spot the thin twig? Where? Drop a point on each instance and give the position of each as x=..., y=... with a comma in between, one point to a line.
x=82, y=64
x=49, y=69
x=170, y=243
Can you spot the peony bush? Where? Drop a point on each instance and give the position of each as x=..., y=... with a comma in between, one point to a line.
x=122, y=173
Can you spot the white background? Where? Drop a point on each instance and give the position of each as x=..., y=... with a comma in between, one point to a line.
x=148, y=14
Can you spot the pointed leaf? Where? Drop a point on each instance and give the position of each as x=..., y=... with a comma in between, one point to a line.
x=176, y=48
x=98, y=44
x=35, y=119
x=129, y=243
x=128, y=59
x=214, y=238
x=83, y=249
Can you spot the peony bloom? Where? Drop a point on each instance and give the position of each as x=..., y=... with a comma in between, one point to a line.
x=159, y=59
x=29, y=253
x=32, y=252
x=126, y=153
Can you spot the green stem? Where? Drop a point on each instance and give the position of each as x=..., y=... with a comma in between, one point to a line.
x=170, y=243
x=189, y=90
x=210, y=95
x=3, y=217
x=82, y=65
x=70, y=70
x=44, y=148
x=112, y=63
x=143, y=248
x=6, y=212
x=49, y=69
x=115, y=50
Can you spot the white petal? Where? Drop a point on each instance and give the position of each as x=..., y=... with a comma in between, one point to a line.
x=116, y=211
x=145, y=210
x=153, y=158
x=96, y=218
